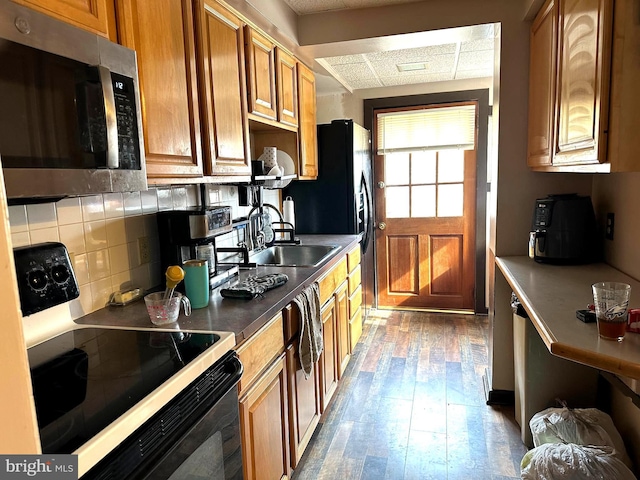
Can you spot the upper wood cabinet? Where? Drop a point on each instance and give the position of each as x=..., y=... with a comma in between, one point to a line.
x=223, y=87
x=583, y=81
x=307, y=131
x=261, y=74
x=624, y=101
x=97, y=16
x=542, y=85
x=162, y=33
x=287, y=87
x=570, y=86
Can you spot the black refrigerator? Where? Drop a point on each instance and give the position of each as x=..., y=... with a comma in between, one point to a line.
x=340, y=200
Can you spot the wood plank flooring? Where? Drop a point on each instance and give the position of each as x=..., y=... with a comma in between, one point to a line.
x=411, y=405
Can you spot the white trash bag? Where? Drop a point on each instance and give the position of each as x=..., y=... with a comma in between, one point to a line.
x=557, y=461
x=587, y=426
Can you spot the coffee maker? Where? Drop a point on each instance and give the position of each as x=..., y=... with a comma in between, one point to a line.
x=190, y=234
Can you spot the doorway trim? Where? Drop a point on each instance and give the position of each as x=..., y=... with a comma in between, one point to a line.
x=482, y=188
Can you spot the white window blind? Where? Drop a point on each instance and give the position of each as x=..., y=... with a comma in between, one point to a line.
x=436, y=128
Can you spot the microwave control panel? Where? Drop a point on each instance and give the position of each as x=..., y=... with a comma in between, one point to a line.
x=126, y=114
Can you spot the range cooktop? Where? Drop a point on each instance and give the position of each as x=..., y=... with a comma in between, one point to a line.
x=85, y=379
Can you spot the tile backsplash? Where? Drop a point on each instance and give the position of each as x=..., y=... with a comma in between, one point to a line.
x=102, y=234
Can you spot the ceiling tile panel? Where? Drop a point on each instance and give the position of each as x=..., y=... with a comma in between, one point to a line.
x=414, y=79
x=345, y=59
x=486, y=44
x=353, y=72
x=412, y=54
x=366, y=82
x=374, y=3
x=475, y=60
x=481, y=73
x=434, y=64
x=303, y=7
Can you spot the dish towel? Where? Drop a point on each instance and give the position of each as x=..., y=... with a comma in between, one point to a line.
x=254, y=286
x=310, y=345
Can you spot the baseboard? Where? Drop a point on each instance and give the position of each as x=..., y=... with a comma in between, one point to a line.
x=496, y=397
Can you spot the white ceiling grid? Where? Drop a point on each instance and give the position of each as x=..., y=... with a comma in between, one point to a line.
x=453, y=54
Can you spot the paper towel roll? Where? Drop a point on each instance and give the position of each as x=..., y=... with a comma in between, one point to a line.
x=288, y=211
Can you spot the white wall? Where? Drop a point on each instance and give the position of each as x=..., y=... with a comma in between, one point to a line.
x=339, y=106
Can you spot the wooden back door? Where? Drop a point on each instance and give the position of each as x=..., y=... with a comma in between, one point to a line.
x=425, y=214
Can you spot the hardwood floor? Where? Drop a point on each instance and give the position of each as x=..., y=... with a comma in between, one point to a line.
x=411, y=406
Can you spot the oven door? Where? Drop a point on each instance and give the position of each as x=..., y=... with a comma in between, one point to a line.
x=197, y=435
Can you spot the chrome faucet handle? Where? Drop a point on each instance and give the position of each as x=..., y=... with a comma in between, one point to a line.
x=260, y=240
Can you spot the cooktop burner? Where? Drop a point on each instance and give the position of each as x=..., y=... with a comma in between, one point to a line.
x=85, y=379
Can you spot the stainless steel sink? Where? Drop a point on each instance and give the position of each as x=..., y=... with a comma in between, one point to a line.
x=294, y=255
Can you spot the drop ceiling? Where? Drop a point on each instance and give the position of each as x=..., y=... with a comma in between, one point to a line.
x=446, y=55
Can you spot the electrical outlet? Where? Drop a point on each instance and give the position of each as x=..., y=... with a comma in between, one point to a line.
x=143, y=250
x=608, y=232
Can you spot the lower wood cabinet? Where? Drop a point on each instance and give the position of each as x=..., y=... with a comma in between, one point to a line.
x=265, y=430
x=328, y=358
x=303, y=393
x=343, y=350
x=279, y=407
x=355, y=297
x=264, y=406
x=304, y=403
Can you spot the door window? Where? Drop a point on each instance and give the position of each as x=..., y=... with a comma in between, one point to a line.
x=424, y=184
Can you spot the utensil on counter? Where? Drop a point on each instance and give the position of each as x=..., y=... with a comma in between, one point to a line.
x=174, y=276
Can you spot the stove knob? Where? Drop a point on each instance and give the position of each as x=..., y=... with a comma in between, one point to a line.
x=60, y=274
x=37, y=280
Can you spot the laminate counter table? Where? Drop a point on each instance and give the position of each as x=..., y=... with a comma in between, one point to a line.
x=551, y=294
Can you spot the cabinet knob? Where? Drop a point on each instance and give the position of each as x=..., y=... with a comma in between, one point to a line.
x=382, y=225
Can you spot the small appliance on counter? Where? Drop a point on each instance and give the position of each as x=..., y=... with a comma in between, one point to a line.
x=190, y=234
x=564, y=230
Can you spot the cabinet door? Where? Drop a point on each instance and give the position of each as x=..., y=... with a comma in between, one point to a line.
x=287, y=87
x=342, y=321
x=264, y=425
x=542, y=85
x=307, y=130
x=97, y=16
x=304, y=403
x=355, y=328
x=162, y=33
x=224, y=112
x=583, y=87
x=328, y=358
x=261, y=80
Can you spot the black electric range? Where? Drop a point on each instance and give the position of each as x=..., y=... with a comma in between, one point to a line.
x=85, y=379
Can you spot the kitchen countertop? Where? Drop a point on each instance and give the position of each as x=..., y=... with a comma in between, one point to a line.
x=551, y=294
x=242, y=317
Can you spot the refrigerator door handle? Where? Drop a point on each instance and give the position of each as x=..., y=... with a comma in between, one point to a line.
x=367, y=215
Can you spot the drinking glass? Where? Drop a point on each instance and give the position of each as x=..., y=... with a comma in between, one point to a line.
x=611, y=300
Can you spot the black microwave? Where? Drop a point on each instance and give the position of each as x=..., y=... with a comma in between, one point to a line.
x=70, y=120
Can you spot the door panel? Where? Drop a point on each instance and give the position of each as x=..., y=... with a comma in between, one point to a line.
x=403, y=264
x=446, y=259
